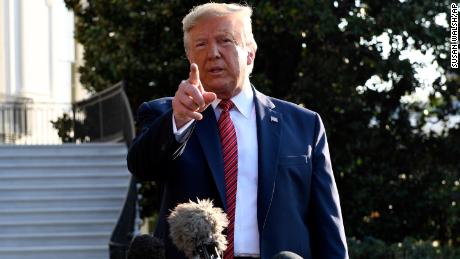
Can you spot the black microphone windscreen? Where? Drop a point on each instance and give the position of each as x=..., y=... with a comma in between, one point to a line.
x=287, y=255
x=199, y=224
x=146, y=247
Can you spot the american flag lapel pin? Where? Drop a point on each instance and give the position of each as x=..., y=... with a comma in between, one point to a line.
x=273, y=119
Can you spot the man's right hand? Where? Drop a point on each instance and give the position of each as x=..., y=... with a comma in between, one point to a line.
x=191, y=99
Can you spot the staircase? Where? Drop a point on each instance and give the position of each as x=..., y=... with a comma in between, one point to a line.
x=60, y=201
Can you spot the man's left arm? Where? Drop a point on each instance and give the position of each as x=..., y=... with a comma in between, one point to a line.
x=328, y=234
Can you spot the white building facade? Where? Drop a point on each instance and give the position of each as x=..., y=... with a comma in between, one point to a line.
x=38, y=56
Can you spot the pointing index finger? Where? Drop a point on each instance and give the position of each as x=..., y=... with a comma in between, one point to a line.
x=194, y=74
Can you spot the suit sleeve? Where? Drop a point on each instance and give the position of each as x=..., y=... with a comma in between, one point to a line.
x=155, y=147
x=328, y=234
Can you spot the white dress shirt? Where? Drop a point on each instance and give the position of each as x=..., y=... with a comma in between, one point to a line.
x=246, y=236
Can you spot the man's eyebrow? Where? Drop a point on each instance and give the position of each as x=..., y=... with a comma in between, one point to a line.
x=199, y=39
x=219, y=33
x=226, y=34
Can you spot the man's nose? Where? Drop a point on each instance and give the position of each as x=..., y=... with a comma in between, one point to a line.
x=213, y=51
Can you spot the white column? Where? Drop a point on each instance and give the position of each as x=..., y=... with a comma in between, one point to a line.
x=2, y=49
x=12, y=40
x=49, y=5
x=36, y=62
x=63, y=51
x=36, y=50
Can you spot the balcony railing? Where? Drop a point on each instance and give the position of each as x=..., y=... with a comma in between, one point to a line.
x=29, y=123
x=105, y=117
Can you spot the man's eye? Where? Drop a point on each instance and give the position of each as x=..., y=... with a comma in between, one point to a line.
x=200, y=44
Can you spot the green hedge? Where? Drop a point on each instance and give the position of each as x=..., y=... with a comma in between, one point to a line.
x=370, y=247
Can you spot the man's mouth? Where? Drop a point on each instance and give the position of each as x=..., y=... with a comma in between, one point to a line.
x=215, y=70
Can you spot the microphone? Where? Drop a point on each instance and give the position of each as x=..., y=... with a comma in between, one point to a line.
x=196, y=229
x=146, y=247
x=287, y=255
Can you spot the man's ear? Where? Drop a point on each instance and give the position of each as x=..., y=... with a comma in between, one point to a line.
x=251, y=56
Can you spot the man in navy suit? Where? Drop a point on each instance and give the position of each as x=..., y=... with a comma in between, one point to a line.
x=264, y=161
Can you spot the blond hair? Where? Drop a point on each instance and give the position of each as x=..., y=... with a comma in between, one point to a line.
x=218, y=10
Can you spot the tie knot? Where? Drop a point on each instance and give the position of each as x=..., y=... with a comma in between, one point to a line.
x=226, y=105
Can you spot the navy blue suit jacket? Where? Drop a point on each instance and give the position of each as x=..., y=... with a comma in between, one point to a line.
x=298, y=206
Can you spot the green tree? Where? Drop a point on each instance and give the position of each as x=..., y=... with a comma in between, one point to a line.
x=396, y=178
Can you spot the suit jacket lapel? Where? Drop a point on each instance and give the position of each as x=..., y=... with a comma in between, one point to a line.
x=268, y=138
x=208, y=135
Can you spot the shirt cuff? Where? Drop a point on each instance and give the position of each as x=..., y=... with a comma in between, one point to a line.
x=181, y=133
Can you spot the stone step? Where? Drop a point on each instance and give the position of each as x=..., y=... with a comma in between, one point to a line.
x=62, y=190
x=75, y=179
x=65, y=163
x=63, y=150
x=56, y=175
x=54, y=239
x=57, y=187
x=56, y=202
x=37, y=160
x=56, y=170
x=57, y=226
x=58, y=252
x=101, y=190
x=77, y=213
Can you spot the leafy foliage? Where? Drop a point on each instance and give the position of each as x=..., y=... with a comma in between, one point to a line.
x=69, y=130
x=63, y=125
x=410, y=248
x=396, y=177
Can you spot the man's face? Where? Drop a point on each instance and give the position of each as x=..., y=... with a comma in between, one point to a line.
x=216, y=45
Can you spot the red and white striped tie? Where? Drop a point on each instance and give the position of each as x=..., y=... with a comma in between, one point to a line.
x=230, y=154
